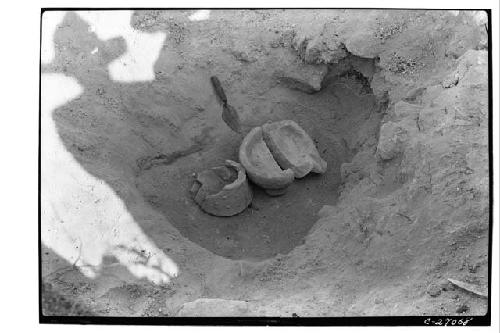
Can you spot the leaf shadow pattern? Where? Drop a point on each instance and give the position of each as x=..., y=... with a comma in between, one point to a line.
x=90, y=207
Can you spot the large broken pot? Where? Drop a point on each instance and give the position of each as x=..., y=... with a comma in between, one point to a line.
x=292, y=148
x=276, y=153
x=222, y=191
x=260, y=165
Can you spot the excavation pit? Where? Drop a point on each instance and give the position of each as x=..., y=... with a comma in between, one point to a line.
x=270, y=225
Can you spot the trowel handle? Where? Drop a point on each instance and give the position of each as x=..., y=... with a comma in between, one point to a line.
x=218, y=89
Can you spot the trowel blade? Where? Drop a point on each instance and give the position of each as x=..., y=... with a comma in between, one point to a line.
x=231, y=118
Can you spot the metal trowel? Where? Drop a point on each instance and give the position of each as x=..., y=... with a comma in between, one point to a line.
x=231, y=118
x=229, y=114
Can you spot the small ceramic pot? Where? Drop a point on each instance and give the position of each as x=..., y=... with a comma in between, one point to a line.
x=222, y=191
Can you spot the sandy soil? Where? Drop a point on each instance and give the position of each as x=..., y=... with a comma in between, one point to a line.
x=401, y=117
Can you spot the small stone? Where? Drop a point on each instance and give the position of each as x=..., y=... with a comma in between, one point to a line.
x=434, y=290
x=318, y=50
x=214, y=307
x=463, y=308
x=446, y=286
x=391, y=140
x=304, y=77
x=473, y=268
x=451, y=80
